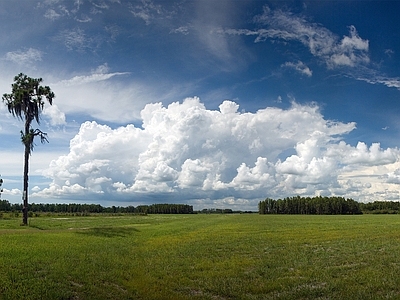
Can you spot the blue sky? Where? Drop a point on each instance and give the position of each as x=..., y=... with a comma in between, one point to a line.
x=210, y=103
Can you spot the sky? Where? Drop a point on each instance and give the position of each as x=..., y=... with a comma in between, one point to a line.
x=215, y=104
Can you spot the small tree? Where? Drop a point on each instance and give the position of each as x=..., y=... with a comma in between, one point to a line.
x=26, y=103
x=1, y=184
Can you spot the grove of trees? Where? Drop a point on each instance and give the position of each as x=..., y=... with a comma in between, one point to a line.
x=381, y=207
x=6, y=206
x=310, y=206
x=165, y=209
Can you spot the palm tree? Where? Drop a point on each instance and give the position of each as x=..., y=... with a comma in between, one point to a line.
x=26, y=103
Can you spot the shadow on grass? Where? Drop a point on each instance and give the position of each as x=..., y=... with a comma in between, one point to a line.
x=109, y=232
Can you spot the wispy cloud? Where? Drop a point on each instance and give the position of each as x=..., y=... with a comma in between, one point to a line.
x=146, y=10
x=74, y=39
x=389, y=82
x=100, y=74
x=101, y=5
x=54, y=10
x=183, y=30
x=322, y=43
x=84, y=19
x=373, y=77
x=78, y=4
x=52, y=14
x=349, y=51
x=23, y=57
x=389, y=52
x=300, y=67
x=95, y=95
x=113, y=31
x=58, y=9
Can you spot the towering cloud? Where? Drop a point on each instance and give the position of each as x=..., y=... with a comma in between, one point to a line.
x=185, y=151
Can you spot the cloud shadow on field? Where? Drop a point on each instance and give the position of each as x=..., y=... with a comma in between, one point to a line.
x=109, y=232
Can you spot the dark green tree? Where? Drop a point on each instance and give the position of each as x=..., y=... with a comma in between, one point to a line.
x=1, y=183
x=26, y=103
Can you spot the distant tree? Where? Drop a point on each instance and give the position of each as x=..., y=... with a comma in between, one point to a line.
x=262, y=207
x=26, y=103
x=1, y=184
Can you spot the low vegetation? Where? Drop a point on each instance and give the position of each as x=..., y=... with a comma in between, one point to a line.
x=200, y=256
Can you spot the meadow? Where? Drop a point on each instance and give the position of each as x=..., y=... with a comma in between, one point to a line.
x=216, y=256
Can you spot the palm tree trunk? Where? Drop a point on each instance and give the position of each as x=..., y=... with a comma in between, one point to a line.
x=25, y=192
x=26, y=170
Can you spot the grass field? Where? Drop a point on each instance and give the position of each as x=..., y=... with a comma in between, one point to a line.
x=201, y=257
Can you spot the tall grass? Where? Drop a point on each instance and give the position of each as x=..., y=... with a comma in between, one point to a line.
x=201, y=257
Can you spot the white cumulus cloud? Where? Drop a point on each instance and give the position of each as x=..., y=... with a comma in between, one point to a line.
x=186, y=152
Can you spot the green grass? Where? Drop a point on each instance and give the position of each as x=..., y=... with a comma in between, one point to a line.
x=201, y=257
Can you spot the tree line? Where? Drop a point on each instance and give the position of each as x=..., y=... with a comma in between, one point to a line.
x=165, y=209
x=6, y=206
x=310, y=206
x=223, y=211
x=289, y=205
x=381, y=207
